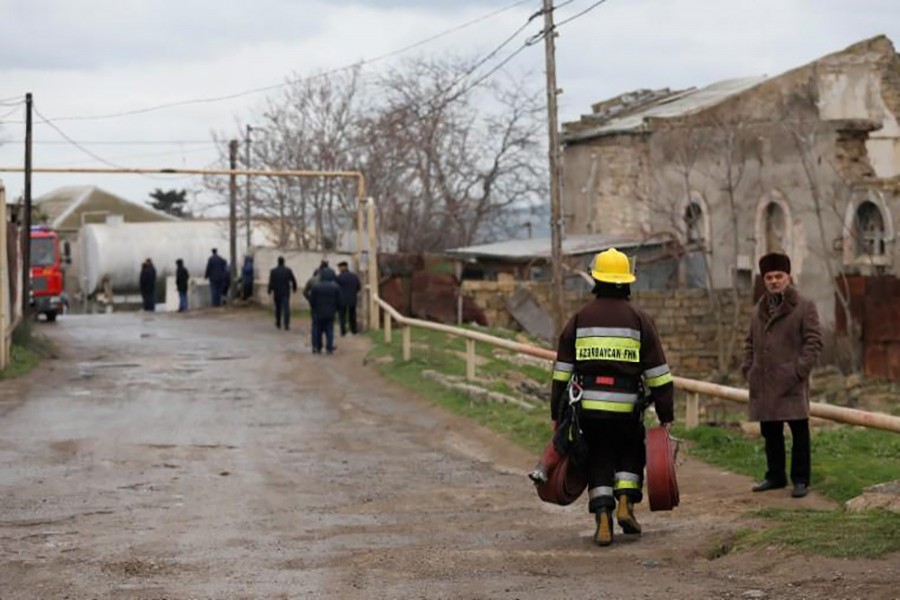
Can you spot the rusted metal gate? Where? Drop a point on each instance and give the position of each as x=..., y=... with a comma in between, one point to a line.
x=875, y=307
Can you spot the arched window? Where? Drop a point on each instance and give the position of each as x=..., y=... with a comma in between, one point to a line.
x=868, y=230
x=776, y=228
x=693, y=223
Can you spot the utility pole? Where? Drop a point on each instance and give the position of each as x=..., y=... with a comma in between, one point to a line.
x=232, y=214
x=247, y=199
x=26, y=218
x=555, y=188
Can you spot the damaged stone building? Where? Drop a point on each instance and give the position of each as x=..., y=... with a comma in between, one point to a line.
x=806, y=162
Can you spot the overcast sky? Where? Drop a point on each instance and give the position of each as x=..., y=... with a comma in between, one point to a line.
x=84, y=58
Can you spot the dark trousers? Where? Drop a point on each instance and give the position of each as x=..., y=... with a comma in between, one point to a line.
x=247, y=292
x=773, y=432
x=283, y=311
x=149, y=299
x=215, y=292
x=182, y=301
x=616, y=459
x=322, y=327
x=347, y=316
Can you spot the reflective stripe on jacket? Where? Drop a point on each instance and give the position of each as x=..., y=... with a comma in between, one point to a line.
x=614, y=348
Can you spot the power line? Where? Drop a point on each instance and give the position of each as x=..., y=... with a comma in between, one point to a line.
x=580, y=14
x=142, y=155
x=267, y=88
x=14, y=110
x=116, y=143
x=85, y=150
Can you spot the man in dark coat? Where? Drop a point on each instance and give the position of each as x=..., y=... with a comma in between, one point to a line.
x=350, y=286
x=780, y=351
x=247, y=278
x=281, y=283
x=181, y=284
x=148, y=285
x=217, y=274
x=325, y=301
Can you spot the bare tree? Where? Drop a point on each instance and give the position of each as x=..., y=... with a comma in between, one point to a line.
x=448, y=161
x=800, y=120
x=312, y=125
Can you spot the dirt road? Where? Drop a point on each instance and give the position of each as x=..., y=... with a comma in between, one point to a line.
x=212, y=456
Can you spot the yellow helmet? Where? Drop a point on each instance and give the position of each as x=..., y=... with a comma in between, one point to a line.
x=612, y=266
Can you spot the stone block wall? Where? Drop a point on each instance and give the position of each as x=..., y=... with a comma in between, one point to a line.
x=686, y=319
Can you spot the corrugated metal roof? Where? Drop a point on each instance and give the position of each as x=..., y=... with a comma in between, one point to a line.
x=524, y=250
x=677, y=105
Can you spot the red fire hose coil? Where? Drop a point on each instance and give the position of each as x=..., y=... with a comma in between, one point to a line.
x=662, y=486
x=565, y=483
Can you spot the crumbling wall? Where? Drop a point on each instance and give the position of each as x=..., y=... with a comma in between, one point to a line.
x=685, y=319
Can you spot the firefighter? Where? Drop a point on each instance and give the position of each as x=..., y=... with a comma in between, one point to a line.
x=609, y=355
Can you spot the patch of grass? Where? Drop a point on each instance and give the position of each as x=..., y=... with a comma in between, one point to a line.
x=528, y=429
x=22, y=360
x=836, y=533
x=844, y=459
x=27, y=350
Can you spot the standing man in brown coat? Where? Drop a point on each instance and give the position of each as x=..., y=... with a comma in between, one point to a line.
x=780, y=351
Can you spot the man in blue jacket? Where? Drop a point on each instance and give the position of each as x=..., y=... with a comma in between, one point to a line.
x=350, y=286
x=325, y=301
x=217, y=274
x=281, y=283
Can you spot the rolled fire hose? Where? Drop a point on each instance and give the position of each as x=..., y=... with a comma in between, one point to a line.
x=565, y=483
x=662, y=486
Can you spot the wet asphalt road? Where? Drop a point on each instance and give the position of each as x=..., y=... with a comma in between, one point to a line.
x=211, y=456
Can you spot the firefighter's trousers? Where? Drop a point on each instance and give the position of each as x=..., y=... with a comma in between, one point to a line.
x=616, y=459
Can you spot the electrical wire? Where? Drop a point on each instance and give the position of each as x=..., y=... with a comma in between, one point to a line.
x=96, y=157
x=116, y=143
x=142, y=155
x=213, y=99
x=14, y=110
x=580, y=14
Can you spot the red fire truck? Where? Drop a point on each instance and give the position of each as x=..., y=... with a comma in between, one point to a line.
x=46, y=294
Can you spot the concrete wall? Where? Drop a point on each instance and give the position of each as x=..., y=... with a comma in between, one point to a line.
x=301, y=262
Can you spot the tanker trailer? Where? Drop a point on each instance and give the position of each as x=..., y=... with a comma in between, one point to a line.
x=111, y=254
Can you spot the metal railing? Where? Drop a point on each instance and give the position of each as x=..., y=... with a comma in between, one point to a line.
x=693, y=387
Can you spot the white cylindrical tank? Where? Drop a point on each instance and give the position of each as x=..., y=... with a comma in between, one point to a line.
x=117, y=251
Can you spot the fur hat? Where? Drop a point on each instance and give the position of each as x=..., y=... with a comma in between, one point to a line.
x=774, y=262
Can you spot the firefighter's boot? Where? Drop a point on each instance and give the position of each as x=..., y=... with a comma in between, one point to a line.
x=625, y=516
x=604, y=534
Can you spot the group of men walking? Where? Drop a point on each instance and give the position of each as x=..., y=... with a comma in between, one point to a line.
x=329, y=295
x=611, y=366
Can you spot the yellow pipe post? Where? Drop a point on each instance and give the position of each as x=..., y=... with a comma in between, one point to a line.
x=407, y=343
x=692, y=411
x=373, y=264
x=4, y=285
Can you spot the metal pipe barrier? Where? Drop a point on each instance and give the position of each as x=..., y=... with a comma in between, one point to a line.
x=694, y=387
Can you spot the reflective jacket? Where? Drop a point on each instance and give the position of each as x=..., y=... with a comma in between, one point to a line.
x=614, y=349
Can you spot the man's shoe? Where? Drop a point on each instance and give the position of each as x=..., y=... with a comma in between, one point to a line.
x=625, y=516
x=765, y=485
x=604, y=534
x=800, y=490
